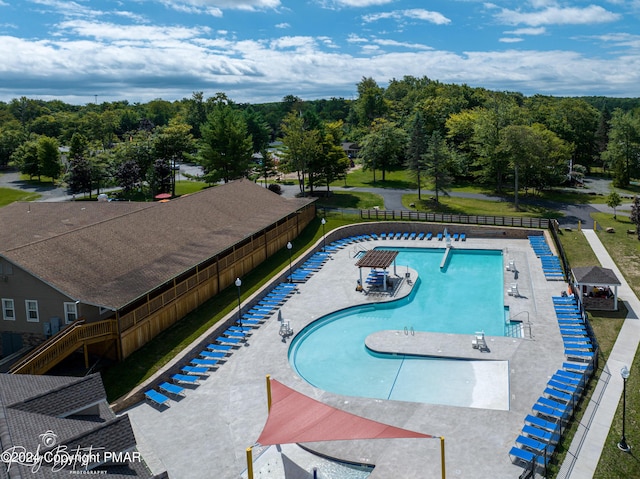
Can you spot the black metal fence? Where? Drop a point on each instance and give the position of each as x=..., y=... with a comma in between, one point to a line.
x=390, y=215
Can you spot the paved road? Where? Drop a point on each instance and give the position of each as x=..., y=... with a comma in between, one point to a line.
x=572, y=214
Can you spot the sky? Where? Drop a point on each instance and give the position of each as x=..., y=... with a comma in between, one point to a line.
x=258, y=51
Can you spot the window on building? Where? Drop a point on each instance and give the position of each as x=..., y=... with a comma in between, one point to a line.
x=70, y=312
x=31, y=306
x=8, y=310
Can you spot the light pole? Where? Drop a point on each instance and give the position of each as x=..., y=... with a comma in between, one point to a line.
x=624, y=372
x=324, y=238
x=238, y=284
x=290, y=247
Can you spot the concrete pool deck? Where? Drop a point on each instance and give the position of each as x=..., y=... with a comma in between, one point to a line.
x=206, y=433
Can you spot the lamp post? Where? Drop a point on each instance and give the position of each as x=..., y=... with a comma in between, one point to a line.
x=324, y=237
x=624, y=372
x=290, y=247
x=238, y=284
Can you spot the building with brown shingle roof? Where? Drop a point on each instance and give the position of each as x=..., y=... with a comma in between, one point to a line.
x=136, y=267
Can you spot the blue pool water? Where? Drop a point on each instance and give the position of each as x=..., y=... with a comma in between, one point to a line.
x=464, y=297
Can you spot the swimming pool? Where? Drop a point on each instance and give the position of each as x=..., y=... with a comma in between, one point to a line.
x=463, y=297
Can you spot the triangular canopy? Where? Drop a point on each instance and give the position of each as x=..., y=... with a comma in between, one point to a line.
x=295, y=418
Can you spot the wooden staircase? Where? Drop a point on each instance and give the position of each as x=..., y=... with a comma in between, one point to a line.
x=58, y=347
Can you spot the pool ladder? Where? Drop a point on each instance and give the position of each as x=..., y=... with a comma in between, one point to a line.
x=407, y=331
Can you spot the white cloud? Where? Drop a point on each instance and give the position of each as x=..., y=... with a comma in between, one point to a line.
x=591, y=14
x=416, y=14
x=283, y=25
x=359, y=3
x=111, y=32
x=510, y=40
x=527, y=31
x=394, y=43
x=353, y=38
x=217, y=5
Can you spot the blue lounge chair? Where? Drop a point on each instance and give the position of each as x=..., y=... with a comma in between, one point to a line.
x=252, y=322
x=540, y=434
x=217, y=355
x=429, y=236
x=195, y=370
x=463, y=237
x=527, y=457
x=383, y=236
x=412, y=236
x=531, y=443
x=440, y=236
x=549, y=412
x=576, y=367
x=564, y=408
x=157, y=398
x=421, y=236
x=219, y=347
x=536, y=421
x=171, y=389
x=558, y=395
x=562, y=386
x=186, y=379
x=227, y=340
x=405, y=236
x=456, y=236
x=208, y=363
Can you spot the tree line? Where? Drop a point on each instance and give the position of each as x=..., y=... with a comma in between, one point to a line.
x=439, y=132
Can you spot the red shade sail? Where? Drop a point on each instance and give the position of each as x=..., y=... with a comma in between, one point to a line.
x=295, y=418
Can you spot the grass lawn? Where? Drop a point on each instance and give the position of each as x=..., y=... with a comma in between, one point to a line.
x=625, y=250
x=10, y=195
x=359, y=178
x=350, y=199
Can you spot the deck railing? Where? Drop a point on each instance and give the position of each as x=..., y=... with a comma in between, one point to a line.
x=58, y=347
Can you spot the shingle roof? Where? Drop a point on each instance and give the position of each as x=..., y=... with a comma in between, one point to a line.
x=26, y=419
x=110, y=254
x=66, y=399
x=595, y=275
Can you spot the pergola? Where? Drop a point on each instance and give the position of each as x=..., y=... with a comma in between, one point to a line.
x=378, y=259
x=596, y=277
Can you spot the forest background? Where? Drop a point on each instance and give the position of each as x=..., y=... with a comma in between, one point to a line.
x=440, y=133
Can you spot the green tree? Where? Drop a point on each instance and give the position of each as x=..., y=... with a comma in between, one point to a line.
x=79, y=176
x=49, y=157
x=226, y=146
x=383, y=147
x=25, y=159
x=171, y=143
x=613, y=201
x=623, y=149
x=437, y=159
x=417, y=147
x=299, y=148
x=371, y=103
x=10, y=140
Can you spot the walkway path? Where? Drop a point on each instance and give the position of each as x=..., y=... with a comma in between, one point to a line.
x=593, y=431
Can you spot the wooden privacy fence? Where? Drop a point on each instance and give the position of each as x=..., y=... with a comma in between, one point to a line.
x=516, y=221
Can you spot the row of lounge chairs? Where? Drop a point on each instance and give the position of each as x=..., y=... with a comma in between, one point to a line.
x=420, y=236
x=218, y=351
x=551, y=266
x=303, y=272
x=544, y=426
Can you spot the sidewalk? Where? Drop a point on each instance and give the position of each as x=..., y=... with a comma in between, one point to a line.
x=590, y=438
